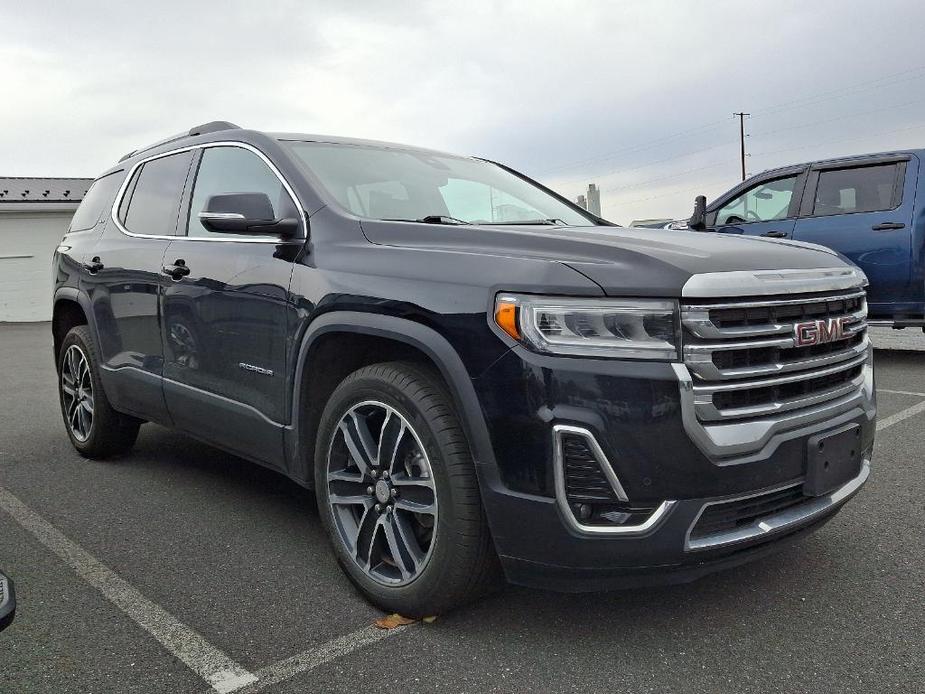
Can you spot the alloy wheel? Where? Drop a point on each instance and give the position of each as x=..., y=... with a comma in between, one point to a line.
x=382, y=493
x=77, y=392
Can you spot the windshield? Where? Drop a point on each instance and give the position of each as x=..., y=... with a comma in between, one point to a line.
x=380, y=183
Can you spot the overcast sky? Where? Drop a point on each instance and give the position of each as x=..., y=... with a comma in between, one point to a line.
x=635, y=96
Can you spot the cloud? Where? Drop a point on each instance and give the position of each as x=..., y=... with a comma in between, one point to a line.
x=571, y=93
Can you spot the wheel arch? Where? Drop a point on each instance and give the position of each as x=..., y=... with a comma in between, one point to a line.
x=408, y=339
x=71, y=308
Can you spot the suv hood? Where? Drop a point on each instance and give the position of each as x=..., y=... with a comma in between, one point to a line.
x=622, y=261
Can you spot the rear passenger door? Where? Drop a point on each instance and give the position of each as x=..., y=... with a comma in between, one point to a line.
x=766, y=208
x=864, y=211
x=226, y=322
x=123, y=278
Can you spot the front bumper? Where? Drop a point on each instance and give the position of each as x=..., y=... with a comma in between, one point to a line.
x=636, y=413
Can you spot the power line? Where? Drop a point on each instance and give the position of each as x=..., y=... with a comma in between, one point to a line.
x=622, y=170
x=844, y=139
x=890, y=80
x=700, y=187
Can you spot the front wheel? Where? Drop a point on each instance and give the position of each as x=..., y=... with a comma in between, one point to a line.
x=398, y=495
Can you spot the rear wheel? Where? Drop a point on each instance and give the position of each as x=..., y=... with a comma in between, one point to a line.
x=95, y=429
x=398, y=495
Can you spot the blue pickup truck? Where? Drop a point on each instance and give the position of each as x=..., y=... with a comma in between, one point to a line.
x=865, y=207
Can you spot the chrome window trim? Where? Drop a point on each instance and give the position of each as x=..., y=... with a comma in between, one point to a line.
x=657, y=516
x=775, y=522
x=114, y=211
x=770, y=282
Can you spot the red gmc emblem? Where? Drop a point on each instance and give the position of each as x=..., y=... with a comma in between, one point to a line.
x=817, y=332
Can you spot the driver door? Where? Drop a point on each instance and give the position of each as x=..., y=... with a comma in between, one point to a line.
x=768, y=208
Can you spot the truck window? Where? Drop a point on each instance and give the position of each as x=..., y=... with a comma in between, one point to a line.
x=863, y=189
x=765, y=202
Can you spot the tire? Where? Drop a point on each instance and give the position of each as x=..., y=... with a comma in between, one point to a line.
x=449, y=556
x=94, y=428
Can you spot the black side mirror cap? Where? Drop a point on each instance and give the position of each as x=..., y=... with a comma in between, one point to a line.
x=246, y=213
x=698, y=220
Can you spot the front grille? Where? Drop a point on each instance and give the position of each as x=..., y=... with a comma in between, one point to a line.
x=732, y=515
x=745, y=361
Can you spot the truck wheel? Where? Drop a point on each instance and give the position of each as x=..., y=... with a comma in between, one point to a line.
x=398, y=495
x=95, y=429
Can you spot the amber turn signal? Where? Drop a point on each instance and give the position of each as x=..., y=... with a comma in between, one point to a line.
x=506, y=318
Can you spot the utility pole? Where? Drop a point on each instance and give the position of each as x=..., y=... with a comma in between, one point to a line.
x=742, y=138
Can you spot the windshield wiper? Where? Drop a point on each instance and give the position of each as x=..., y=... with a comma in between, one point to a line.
x=533, y=222
x=433, y=219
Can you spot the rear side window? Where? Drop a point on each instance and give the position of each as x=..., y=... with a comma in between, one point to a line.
x=865, y=189
x=96, y=201
x=152, y=200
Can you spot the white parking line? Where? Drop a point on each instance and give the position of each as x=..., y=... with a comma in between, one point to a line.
x=900, y=392
x=216, y=668
x=901, y=415
x=313, y=657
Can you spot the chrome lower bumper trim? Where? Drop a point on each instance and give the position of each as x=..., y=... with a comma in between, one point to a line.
x=774, y=523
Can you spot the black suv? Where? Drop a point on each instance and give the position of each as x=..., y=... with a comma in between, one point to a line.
x=477, y=377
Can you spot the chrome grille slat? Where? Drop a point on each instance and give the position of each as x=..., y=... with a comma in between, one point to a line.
x=746, y=363
x=707, y=370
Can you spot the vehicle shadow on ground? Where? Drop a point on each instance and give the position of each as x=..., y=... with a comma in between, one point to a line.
x=723, y=600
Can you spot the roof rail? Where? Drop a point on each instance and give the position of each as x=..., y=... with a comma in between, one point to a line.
x=214, y=126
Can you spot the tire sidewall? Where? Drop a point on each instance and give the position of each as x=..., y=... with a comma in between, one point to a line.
x=77, y=337
x=423, y=588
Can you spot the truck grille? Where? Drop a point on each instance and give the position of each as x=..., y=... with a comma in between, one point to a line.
x=745, y=360
x=732, y=515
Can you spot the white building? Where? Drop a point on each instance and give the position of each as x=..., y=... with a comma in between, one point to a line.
x=34, y=214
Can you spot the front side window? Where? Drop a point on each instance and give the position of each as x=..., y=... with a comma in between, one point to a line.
x=410, y=185
x=765, y=202
x=225, y=170
x=98, y=198
x=152, y=200
x=865, y=189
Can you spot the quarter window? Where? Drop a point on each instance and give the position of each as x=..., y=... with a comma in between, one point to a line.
x=765, y=202
x=865, y=189
x=152, y=200
x=226, y=170
x=97, y=199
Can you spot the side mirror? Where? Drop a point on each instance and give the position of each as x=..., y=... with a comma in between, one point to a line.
x=698, y=220
x=245, y=213
x=7, y=602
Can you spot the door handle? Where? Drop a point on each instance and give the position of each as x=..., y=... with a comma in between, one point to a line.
x=94, y=266
x=775, y=234
x=177, y=271
x=888, y=226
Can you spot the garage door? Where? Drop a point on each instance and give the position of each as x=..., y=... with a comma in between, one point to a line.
x=27, y=243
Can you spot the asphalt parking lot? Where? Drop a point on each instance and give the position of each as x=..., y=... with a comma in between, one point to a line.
x=179, y=563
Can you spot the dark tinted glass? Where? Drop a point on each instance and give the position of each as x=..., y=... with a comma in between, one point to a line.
x=155, y=201
x=866, y=189
x=97, y=200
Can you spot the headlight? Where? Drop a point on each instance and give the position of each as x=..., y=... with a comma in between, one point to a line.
x=616, y=328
